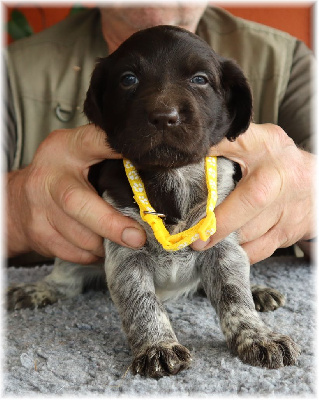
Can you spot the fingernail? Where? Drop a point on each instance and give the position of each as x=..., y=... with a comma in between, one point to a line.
x=200, y=244
x=133, y=237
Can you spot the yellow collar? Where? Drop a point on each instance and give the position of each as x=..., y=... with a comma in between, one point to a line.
x=203, y=229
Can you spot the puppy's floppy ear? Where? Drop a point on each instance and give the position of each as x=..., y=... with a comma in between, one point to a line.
x=238, y=98
x=93, y=104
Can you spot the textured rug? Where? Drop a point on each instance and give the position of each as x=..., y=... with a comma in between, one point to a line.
x=77, y=347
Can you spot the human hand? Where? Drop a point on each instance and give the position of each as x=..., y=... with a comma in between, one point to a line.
x=273, y=204
x=53, y=209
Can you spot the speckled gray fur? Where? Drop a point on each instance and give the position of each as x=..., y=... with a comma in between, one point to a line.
x=139, y=280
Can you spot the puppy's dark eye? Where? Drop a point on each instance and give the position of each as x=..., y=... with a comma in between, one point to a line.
x=199, y=79
x=128, y=79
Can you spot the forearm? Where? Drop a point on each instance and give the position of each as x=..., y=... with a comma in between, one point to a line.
x=16, y=239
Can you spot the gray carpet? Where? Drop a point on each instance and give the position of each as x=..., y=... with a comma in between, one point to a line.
x=77, y=346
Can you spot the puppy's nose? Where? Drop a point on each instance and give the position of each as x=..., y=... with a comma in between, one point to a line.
x=163, y=119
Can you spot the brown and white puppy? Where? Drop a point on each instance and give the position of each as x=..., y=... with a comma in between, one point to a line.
x=164, y=98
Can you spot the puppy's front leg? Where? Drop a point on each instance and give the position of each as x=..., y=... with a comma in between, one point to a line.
x=154, y=344
x=225, y=277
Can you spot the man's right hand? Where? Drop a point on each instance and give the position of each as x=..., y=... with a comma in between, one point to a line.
x=53, y=209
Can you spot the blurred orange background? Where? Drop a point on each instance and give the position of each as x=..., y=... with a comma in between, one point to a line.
x=295, y=19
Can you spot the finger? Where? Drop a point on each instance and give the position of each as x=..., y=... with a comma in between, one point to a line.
x=234, y=151
x=68, y=252
x=76, y=234
x=54, y=245
x=86, y=207
x=277, y=237
x=258, y=226
x=89, y=143
x=246, y=202
x=242, y=149
x=256, y=142
x=250, y=197
x=261, y=248
x=231, y=150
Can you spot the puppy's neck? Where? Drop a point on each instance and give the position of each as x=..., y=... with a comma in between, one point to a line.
x=174, y=192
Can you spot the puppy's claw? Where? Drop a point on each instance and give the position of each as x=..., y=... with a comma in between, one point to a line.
x=162, y=360
x=29, y=296
x=267, y=299
x=274, y=351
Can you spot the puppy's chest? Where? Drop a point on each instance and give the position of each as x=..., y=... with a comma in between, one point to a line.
x=182, y=196
x=176, y=194
x=176, y=274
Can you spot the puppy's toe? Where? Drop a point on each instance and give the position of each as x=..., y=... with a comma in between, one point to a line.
x=28, y=296
x=267, y=299
x=271, y=351
x=162, y=359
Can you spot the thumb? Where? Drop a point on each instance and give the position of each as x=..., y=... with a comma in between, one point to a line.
x=86, y=207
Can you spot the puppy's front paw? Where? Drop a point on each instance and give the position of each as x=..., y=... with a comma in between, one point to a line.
x=267, y=299
x=162, y=359
x=270, y=351
x=29, y=296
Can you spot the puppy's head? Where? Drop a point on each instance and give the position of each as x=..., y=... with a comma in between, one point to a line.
x=164, y=97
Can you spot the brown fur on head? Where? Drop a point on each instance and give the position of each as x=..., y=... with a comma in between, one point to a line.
x=164, y=97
